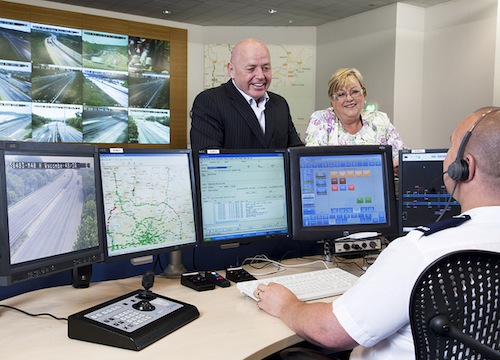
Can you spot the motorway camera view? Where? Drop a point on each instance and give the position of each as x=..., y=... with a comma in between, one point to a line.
x=43, y=192
x=61, y=84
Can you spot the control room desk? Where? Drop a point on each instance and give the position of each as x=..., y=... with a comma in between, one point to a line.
x=230, y=325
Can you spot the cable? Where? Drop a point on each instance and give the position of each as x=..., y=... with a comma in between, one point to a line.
x=339, y=260
x=263, y=259
x=448, y=203
x=34, y=315
x=279, y=265
x=157, y=262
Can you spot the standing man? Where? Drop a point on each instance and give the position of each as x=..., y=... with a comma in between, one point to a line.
x=242, y=114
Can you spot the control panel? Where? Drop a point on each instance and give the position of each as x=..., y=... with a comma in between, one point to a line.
x=348, y=245
x=131, y=321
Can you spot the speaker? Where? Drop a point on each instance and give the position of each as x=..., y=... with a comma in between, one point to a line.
x=82, y=276
x=458, y=170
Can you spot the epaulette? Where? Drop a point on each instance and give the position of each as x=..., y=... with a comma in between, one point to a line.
x=443, y=224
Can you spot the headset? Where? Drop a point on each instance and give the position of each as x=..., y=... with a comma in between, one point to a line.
x=458, y=170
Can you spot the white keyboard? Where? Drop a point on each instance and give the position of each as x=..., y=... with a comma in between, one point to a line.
x=306, y=286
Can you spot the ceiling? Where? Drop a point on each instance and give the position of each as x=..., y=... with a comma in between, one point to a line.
x=244, y=13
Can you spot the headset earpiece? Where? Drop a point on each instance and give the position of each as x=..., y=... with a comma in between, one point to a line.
x=458, y=170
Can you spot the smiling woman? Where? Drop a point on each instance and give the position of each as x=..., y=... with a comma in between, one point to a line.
x=347, y=122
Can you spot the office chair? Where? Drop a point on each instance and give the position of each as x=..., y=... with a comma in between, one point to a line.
x=455, y=307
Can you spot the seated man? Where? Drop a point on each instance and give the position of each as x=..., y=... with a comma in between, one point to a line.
x=372, y=317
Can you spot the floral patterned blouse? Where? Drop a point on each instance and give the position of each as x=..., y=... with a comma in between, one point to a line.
x=325, y=129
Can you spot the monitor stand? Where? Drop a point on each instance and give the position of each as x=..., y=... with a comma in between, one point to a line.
x=175, y=268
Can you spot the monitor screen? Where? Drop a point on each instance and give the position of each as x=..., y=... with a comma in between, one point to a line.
x=149, y=201
x=422, y=194
x=243, y=195
x=341, y=190
x=51, y=209
x=63, y=84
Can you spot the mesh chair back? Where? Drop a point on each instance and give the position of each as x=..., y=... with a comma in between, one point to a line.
x=463, y=286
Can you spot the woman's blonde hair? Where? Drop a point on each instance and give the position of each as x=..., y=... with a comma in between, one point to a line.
x=342, y=77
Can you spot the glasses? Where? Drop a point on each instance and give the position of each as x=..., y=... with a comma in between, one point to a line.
x=342, y=95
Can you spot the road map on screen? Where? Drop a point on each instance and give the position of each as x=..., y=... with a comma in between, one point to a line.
x=147, y=201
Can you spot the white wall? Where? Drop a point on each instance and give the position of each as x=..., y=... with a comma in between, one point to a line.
x=366, y=42
x=459, y=59
x=408, y=73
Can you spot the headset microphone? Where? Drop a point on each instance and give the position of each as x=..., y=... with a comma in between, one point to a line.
x=446, y=207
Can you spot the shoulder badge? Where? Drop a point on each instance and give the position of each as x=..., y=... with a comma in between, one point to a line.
x=443, y=224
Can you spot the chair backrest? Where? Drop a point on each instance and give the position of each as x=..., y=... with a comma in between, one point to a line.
x=462, y=287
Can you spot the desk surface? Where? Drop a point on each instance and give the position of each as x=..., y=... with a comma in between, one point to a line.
x=230, y=325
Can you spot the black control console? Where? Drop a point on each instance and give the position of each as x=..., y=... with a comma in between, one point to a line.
x=237, y=274
x=196, y=281
x=217, y=279
x=132, y=321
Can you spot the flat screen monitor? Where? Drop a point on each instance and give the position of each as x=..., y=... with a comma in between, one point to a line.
x=422, y=195
x=51, y=209
x=342, y=190
x=243, y=196
x=149, y=201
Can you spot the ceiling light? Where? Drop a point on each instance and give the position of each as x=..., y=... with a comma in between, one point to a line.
x=167, y=12
x=272, y=11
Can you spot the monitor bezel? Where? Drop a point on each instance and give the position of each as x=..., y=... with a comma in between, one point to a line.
x=161, y=250
x=332, y=232
x=237, y=241
x=37, y=268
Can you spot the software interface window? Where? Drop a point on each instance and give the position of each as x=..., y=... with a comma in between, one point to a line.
x=342, y=189
x=148, y=201
x=242, y=195
x=423, y=195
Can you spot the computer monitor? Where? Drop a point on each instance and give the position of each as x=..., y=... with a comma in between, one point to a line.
x=149, y=201
x=51, y=209
x=422, y=195
x=337, y=191
x=243, y=196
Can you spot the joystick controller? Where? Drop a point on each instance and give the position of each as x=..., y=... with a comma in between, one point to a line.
x=145, y=296
x=131, y=321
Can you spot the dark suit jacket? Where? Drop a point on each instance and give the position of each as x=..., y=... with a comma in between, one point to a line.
x=222, y=118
